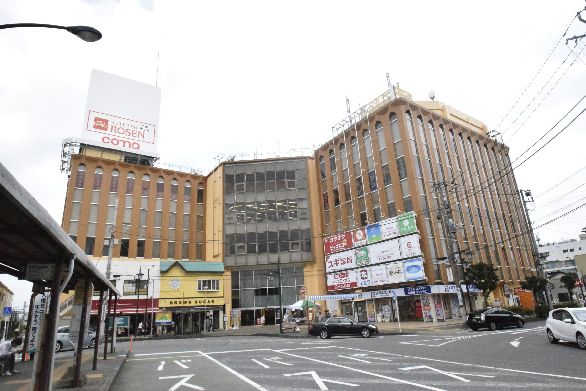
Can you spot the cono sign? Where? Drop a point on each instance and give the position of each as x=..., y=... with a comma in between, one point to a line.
x=120, y=142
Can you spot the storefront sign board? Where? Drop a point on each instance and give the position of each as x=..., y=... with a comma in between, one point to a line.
x=359, y=237
x=364, y=277
x=396, y=272
x=417, y=290
x=339, y=261
x=378, y=275
x=389, y=228
x=342, y=280
x=337, y=243
x=406, y=223
x=361, y=256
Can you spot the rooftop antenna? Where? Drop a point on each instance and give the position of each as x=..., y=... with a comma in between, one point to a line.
x=432, y=95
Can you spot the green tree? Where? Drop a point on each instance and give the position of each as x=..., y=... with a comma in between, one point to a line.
x=484, y=276
x=569, y=281
x=536, y=285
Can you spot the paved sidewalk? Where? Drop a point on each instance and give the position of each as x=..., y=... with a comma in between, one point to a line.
x=98, y=380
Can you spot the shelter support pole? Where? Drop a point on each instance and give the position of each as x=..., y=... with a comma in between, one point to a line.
x=106, y=328
x=44, y=381
x=29, y=321
x=79, y=351
x=114, y=325
x=96, y=346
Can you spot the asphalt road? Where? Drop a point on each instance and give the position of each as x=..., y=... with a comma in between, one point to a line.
x=451, y=360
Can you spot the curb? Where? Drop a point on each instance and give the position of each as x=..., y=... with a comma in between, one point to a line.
x=108, y=383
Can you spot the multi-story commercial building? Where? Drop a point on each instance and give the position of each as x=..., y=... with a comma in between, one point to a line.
x=397, y=178
x=264, y=214
x=397, y=155
x=5, y=301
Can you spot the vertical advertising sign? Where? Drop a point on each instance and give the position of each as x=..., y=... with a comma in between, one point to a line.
x=122, y=114
x=389, y=228
x=37, y=321
x=361, y=256
x=359, y=237
x=373, y=233
x=406, y=223
x=364, y=278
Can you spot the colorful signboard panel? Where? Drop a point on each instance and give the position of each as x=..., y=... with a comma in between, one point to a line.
x=396, y=272
x=342, y=280
x=384, y=251
x=406, y=223
x=361, y=256
x=337, y=243
x=410, y=246
x=373, y=233
x=359, y=237
x=339, y=261
x=389, y=228
x=364, y=277
x=378, y=275
x=414, y=269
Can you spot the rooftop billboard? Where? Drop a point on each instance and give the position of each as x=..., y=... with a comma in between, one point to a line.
x=122, y=114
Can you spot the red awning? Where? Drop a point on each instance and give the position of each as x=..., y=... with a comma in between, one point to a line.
x=128, y=306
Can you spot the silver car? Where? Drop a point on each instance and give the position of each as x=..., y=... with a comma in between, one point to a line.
x=568, y=324
x=64, y=343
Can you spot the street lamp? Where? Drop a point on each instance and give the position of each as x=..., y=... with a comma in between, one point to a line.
x=86, y=33
x=467, y=260
x=137, y=279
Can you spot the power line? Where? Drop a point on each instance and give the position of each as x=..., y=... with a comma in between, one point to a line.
x=538, y=72
x=562, y=181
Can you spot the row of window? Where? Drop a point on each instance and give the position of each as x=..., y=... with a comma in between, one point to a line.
x=260, y=181
x=268, y=242
x=261, y=211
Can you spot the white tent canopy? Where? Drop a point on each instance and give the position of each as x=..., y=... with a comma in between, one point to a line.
x=297, y=305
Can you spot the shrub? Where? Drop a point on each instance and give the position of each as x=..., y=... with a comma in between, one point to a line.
x=566, y=304
x=541, y=311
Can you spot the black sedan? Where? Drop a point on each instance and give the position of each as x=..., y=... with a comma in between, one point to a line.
x=494, y=318
x=342, y=326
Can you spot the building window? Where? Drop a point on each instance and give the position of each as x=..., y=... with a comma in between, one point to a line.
x=187, y=192
x=171, y=250
x=114, y=181
x=185, y=250
x=140, y=248
x=336, y=197
x=322, y=167
x=146, y=183
x=174, y=189
x=363, y=219
x=157, y=249
x=124, y=244
x=200, y=194
x=80, y=176
x=208, y=285
x=199, y=250
x=89, y=245
x=130, y=183
x=98, y=178
x=402, y=168
x=326, y=201
x=160, y=187
x=130, y=287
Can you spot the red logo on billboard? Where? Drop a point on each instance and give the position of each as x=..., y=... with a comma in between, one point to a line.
x=100, y=123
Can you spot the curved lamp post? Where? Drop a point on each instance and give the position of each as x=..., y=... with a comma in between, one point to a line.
x=88, y=34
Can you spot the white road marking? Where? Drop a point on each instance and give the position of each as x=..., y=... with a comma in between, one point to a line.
x=181, y=364
x=355, y=359
x=260, y=363
x=182, y=382
x=236, y=373
x=469, y=365
x=450, y=374
x=185, y=360
x=319, y=381
x=240, y=351
x=364, y=372
x=276, y=360
x=516, y=342
x=160, y=367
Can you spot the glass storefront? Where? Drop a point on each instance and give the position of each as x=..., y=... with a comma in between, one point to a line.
x=256, y=292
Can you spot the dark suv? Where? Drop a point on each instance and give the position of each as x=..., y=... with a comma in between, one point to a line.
x=494, y=318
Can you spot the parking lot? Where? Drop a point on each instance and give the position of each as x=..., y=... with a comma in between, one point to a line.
x=456, y=360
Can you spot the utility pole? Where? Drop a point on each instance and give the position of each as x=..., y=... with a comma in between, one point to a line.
x=280, y=296
x=537, y=258
x=445, y=216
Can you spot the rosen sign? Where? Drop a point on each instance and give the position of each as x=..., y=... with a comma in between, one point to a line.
x=122, y=114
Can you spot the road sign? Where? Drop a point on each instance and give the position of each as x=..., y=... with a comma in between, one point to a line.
x=7, y=311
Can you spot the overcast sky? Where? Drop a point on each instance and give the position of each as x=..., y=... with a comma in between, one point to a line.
x=267, y=77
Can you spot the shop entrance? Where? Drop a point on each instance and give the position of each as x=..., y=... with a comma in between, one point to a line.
x=410, y=308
